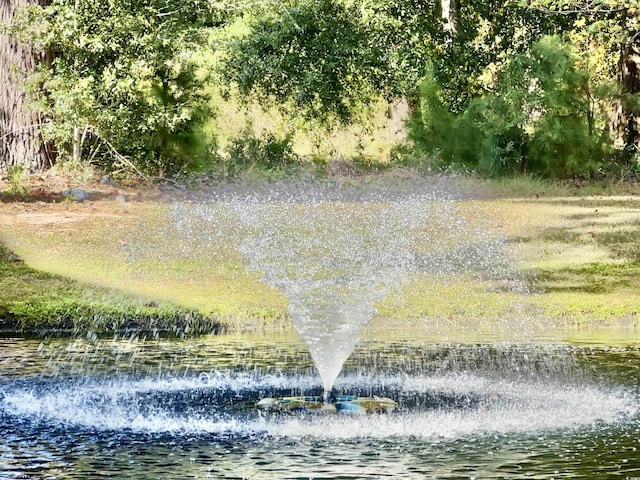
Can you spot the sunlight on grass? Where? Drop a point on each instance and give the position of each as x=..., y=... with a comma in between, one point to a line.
x=97, y=251
x=438, y=298
x=579, y=257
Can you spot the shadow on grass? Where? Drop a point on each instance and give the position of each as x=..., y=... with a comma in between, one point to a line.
x=34, y=303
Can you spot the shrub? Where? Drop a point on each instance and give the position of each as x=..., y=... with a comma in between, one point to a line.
x=270, y=154
x=539, y=119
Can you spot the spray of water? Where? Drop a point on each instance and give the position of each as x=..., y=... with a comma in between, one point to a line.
x=335, y=252
x=194, y=405
x=333, y=260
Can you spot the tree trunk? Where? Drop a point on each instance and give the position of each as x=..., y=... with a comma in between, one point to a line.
x=626, y=114
x=630, y=81
x=450, y=15
x=20, y=140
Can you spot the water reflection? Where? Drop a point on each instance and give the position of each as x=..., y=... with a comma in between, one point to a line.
x=166, y=409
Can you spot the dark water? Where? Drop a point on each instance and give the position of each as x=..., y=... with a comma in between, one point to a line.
x=185, y=409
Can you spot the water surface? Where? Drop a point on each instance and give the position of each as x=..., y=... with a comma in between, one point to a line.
x=128, y=408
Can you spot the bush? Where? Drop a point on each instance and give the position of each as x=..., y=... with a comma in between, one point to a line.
x=270, y=154
x=539, y=119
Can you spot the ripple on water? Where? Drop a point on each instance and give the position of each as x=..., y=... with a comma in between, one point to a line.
x=573, y=415
x=223, y=405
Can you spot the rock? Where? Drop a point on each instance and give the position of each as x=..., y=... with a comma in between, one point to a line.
x=76, y=194
x=105, y=180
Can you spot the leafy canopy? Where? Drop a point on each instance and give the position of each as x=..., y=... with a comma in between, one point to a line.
x=124, y=74
x=318, y=54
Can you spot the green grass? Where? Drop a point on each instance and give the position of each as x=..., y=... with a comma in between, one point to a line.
x=579, y=255
x=565, y=191
x=583, y=255
x=136, y=252
x=38, y=303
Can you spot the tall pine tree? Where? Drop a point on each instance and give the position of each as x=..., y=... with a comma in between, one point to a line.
x=20, y=140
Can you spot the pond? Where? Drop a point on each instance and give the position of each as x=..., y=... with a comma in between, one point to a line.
x=155, y=409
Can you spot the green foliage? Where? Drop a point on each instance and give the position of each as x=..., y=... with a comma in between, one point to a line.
x=407, y=33
x=17, y=178
x=123, y=87
x=330, y=58
x=467, y=63
x=539, y=119
x=606, y=32
x=432, y=123
x=271, y=154
x=487, y=136
x=566, y=141
x=317, y=54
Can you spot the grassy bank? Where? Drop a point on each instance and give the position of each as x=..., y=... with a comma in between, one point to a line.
x=116, y=266
x=130, y=247
x=577, y=267
x=38, y=303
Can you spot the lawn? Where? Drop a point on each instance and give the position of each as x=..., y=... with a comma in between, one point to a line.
x=568, y=260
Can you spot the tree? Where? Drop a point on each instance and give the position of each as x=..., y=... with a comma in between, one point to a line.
x=538, y=119
x=21, y=145
x=616, y=24
x=124, y=88
x=329, y=57
x=626, y=120
x=319, y=55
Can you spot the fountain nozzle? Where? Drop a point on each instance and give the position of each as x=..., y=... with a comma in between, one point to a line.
x=328, y=397
x=329, y=402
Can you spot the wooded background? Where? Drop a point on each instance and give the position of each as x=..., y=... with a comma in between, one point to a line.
x=549, y=87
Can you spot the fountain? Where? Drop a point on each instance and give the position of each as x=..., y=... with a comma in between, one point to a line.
x=153, y=408
x=334, y=252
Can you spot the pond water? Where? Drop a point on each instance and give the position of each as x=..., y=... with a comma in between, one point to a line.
x=130, y=408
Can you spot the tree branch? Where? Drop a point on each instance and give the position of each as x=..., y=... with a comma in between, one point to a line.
x=125, y=160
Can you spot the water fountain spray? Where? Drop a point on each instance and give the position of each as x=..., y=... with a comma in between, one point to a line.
x=333, y=252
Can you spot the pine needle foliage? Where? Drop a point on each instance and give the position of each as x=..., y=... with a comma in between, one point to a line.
x=539, y=119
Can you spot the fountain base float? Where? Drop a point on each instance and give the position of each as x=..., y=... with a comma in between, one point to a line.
x=337, y=404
